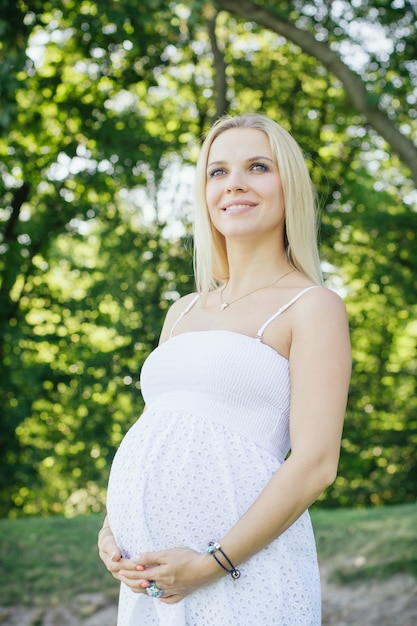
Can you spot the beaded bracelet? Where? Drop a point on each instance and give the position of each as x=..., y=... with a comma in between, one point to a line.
x=212, y=547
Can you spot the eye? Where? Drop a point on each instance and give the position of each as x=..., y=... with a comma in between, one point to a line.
x=217, y=171
x=259, y=167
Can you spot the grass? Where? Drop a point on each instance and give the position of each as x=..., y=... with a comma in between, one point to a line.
x=46, y=561
x=363, y=544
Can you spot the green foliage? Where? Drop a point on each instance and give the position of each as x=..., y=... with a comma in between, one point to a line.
x=91, y=321
x=103, y=106
x=69, y=334
x=376, y=255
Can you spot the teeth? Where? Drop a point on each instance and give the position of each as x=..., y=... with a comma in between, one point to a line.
x=237, y=206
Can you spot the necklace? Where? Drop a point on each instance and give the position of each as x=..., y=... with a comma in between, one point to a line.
x=224, y=305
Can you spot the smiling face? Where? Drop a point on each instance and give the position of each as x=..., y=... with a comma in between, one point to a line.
x=243, y=189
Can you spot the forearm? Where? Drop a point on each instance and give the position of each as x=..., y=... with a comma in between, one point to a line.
x=293, y=488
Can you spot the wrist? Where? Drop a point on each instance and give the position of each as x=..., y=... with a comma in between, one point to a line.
x=209, y=569
x=215, y=550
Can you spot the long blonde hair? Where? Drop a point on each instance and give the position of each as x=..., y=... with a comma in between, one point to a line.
x=210, y=256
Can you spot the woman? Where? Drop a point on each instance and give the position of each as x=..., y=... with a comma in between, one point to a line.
x=207, y=511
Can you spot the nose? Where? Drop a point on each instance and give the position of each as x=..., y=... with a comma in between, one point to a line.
x=235, y=187
x=235, y=182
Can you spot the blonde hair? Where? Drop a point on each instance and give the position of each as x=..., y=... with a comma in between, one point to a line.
x=210, y=256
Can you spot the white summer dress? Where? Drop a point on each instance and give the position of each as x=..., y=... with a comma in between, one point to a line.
x=215, y=431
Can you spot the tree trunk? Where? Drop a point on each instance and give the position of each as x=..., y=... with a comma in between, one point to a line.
x=220, y=70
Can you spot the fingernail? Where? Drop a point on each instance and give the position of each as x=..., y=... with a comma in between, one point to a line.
x=139, y=568
x=145, y=584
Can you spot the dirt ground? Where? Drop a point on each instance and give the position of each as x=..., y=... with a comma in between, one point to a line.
x=390, y=603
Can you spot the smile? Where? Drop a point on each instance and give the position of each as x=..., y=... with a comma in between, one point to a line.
x=237, y=207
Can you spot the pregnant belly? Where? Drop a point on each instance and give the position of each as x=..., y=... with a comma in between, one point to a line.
x=179, y=480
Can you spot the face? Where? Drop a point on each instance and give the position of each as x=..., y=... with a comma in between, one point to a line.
x=243, y=189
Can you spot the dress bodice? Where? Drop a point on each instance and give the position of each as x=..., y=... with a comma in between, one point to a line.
x=225, y=376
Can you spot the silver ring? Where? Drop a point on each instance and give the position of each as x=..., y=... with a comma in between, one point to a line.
x=153, y=591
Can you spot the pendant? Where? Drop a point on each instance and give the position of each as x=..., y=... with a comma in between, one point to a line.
x=224, y=306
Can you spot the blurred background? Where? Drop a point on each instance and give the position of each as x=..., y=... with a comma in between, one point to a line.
x=103, y=106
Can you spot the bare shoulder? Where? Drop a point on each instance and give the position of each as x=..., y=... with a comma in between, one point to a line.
x=321, y=314
x=179, y=305
x=174, y=312
x=321, y=301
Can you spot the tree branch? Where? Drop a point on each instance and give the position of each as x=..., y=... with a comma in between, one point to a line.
x=10, y=267
x=355, y=89
x=219, y=70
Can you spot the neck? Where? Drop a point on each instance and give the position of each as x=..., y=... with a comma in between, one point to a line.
x=236, y=288
x=245, y=277
x=252, y=265
x=227, y=302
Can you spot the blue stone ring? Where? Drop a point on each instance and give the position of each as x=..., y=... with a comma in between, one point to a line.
x=153, y=590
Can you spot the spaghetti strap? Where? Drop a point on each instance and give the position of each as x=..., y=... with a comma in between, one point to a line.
x=284, y=307
x=184, y=312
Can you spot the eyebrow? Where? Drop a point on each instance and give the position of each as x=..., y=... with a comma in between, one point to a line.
x=254, y=158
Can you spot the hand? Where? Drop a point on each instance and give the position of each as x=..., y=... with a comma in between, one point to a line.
x=111, y=555
x=178, y=571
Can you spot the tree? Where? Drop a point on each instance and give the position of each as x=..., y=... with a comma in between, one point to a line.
x=104, y=106
x=68, y=154
x=320, y=29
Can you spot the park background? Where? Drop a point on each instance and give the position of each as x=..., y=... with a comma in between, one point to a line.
x=103, y=107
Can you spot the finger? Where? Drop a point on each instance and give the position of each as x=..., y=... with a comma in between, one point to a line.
x=138, y=585
x=151, y=573
x=171, y=599
x=121, y=564
x=149, y=558
x=110, y=552
x=116, y=555
x=134, y=575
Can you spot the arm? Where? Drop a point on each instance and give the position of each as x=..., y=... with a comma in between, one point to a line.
x=320, y=364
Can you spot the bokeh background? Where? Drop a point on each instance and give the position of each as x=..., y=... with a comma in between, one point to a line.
x=103, y=106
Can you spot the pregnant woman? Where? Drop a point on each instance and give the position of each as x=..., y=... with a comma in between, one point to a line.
x=207, y=521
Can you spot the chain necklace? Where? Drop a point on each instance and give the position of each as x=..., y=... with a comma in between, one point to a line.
x=224, y=305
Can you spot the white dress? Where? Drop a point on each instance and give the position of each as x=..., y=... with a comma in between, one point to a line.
x=215, y=430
